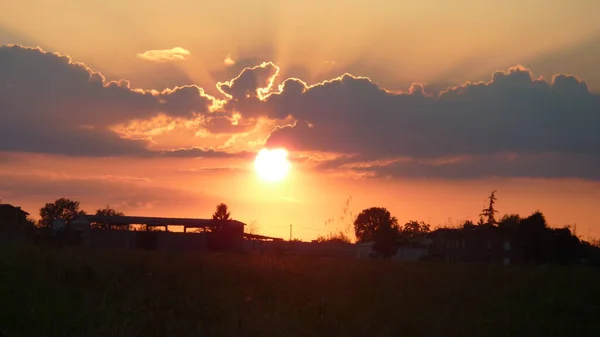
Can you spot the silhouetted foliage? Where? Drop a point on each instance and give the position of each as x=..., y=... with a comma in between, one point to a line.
x=565, y=247
x=107, y=211
x=377, y=224
x=534, y=238
x=62, y=208
x=414, y=228
x=334, y=237
x=510, y=222
x=468, y=224
x=221, y=213
x=488, y=214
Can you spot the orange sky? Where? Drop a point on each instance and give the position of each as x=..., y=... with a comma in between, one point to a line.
x=67, y=132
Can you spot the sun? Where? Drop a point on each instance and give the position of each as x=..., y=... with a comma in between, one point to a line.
x=271, y=164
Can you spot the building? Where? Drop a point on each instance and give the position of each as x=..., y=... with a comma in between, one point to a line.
x=12, y=215
x=413, y=249
x=481, y=244
x=116, y=232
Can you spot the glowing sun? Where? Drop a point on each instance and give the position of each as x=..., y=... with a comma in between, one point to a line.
x=272, y=164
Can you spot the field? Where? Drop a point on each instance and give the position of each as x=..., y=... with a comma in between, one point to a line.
x=46, y=292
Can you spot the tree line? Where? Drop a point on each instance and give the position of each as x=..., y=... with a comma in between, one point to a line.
x=536, y=240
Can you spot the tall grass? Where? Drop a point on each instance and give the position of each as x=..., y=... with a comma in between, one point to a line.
x=71, y=292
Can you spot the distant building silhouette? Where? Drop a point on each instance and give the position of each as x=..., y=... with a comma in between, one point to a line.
x=12, y=215
x=480, y=244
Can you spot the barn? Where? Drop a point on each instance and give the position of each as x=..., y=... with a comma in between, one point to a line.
x=152, y=233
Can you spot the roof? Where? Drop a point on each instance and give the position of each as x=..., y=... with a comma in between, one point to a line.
x=150, y=221
x=6, y=206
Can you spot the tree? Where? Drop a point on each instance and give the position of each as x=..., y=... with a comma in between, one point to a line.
x=489, y=212
x=222, y=212
x=252, y=228
x=107, y=211
x=468, y=224
x=533, y=234
x=510, y=222
x=334, y=237
x=378, y=225
x=62, y=208
x=220, y=216
x=414, y=228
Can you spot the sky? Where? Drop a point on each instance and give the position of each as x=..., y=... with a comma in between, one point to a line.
x=159, y=108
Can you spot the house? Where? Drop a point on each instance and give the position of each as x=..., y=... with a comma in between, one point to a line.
x=409, y=249
x=481, y=244
x=12, y=216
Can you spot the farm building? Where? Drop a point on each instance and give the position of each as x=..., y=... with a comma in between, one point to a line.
x=116, y=232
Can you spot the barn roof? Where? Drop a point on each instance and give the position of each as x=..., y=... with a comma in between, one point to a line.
x=150, y=221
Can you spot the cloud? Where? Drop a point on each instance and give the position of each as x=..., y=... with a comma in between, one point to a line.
x=252, y=83
x=550, y=128
x=162, y=55
x=48, y=103
x=513, y=112
x=229, y=61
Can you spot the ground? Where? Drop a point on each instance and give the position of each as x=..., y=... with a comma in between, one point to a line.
x=70, y=292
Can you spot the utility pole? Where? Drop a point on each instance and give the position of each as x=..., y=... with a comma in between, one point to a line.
x=290, y=232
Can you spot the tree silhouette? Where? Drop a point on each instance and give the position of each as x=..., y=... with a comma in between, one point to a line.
x=62, y=208
x=222, y=212
x=107, y=211
x=414, y=228
x=510, y=222
x=252, y=228
x=533, y=236
x=220, y=216
x=377, y=224
x=468, y=224
x=489, y=212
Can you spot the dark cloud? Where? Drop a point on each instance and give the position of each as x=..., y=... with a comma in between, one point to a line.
x=251, y=83
x=245, y=93
x=50, y=104
x=511, y=113
x=549, y=165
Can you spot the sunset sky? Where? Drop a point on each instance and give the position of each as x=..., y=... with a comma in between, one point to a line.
x=159, y=108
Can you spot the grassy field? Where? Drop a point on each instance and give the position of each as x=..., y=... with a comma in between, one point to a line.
x=81, y=293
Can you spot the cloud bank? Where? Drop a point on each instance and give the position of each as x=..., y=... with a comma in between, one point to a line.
x=512, y=125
